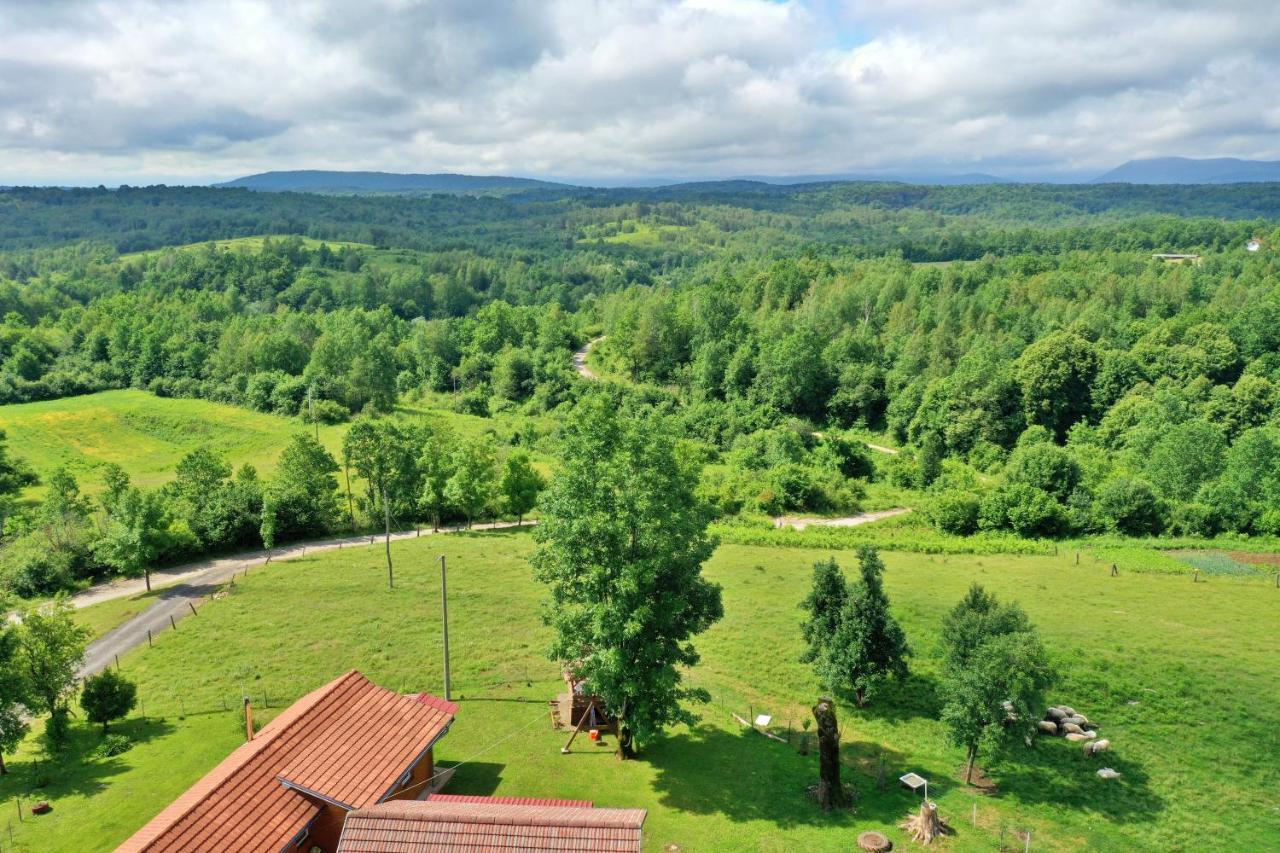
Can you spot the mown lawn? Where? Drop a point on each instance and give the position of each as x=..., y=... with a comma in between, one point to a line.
x=1181, y=677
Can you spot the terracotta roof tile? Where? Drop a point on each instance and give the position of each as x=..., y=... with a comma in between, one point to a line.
x=347, y=742
x=507, y=801
x=408, y=826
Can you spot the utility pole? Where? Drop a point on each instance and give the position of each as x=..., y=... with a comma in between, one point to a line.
x=444, y=605
x=386, y=513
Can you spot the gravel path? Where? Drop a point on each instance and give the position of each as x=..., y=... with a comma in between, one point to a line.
x=845, y=521
x=580, y=359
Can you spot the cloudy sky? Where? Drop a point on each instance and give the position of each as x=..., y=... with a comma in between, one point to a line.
x=118, y=91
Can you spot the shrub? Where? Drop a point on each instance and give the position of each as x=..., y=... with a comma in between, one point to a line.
x=1194, y=519
x=1129, y=506
x=107, y=696
x=112, y=745
x=953, y=512
x=1023, y=509
x=1044, y=466
x=1268, y=523
x=326, y=412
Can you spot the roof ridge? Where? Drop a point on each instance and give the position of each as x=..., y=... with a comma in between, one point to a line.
x=247, y=751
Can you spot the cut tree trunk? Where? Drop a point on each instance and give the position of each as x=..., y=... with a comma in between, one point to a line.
x=831, y=793
x=926, y=826
x=626, y=743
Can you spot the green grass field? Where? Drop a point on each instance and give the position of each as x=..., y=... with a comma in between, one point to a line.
x=245, y=244
x=148, y=435
x=1180, y=676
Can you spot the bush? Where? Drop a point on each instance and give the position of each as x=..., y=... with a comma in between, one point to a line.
x=1023, y=509
x=1130, y=507
x=1194, y=519
x=326, y=412
x=107, y=696
x=112, y=745
x=953, y=512
x=1044, y=466
x=1268, y=524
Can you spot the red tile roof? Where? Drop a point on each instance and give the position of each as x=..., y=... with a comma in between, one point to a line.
x=409, y=826
x=506, y=801
x=347, y=742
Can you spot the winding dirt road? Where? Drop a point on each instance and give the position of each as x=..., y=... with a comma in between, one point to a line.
x=580, y=359
x=800, y=523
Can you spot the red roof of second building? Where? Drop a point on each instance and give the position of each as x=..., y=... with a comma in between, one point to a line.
x=506, y=801
x=347, y=742
x=409, y=826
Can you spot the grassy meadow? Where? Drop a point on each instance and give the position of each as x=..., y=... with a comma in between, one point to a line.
x=148, y=435
x=1180, y=676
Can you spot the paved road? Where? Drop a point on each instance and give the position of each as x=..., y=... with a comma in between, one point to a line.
x=580, y=359
x=190, y=584
x=845, y=521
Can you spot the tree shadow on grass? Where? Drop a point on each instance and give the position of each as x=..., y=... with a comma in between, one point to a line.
x=896, y=701
x=80, y=771
x=1058, y=774
x=746, y=777
x=479, y=778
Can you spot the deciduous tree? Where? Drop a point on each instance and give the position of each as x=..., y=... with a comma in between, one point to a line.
x=621, y=545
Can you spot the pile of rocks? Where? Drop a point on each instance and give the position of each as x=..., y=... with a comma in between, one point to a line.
x=1064, y=721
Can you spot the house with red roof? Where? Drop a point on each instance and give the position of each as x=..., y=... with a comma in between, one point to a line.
x=348, y=746
x=443, y=823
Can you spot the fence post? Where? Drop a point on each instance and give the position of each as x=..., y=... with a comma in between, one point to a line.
x=193, y=609
x=173, y=623
x=149, y=642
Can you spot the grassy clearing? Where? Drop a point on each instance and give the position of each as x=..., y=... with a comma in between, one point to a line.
x=148, y=435
x=144, y=433
x=1180, y=676
x=245, y=244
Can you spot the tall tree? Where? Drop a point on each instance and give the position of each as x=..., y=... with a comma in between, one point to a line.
x=868, y=645
x=620, y=546
x=475, y=477
x=304, y=489
x=133, y=534
x=386, y=455
x=823, y=606
x=1056, y=374
x=996, y=699
x=49, y=657
x=521, y=484
x=997, y=673
x=436, y=464
x=14, y=695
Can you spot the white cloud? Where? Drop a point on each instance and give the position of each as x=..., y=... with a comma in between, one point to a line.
x=132, y=90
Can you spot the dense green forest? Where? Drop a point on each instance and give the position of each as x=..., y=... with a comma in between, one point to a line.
x=1043, y=373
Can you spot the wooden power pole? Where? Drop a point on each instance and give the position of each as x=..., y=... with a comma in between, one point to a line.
x=444, y=606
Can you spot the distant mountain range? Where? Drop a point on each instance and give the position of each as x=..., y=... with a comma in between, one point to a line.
x=315, y=181
x=1161, y=170
x=1185, y=170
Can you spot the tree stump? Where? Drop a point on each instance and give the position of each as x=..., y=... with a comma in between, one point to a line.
x=831, y=793
x=926, y=826
x=874, y=842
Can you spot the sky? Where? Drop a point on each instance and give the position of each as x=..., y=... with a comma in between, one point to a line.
x=123, y=91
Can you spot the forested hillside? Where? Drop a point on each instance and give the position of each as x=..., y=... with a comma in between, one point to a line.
x=1043, y=373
